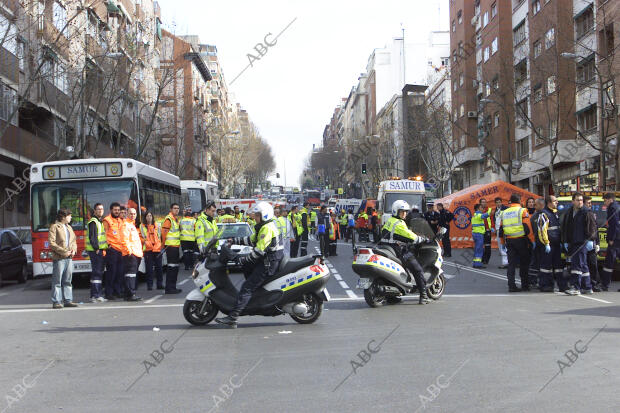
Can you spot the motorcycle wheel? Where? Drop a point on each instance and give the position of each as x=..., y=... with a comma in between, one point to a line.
x=436, y=289
x=373, y=297
x=315, y=308
x=191, y=313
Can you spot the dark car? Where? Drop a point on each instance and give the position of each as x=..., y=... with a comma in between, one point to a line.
x=13, y=262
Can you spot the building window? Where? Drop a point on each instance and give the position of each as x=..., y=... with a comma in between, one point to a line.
x=550, y=38
x=586, y=70
x=537, y=48
x=609, y=97
x=455, y=85
x=522, y=111
x=585, y=22
x=537, y=93
x=493, y=10
x=453, y=26
x=550, y=84
x=459, y=16
x=586, y=119
x=496, y=120
x=485, y=19
x=461, y=49
x=60, y=18
x=521, y=71
x=454, y=56
x=535, y=6
x=55, y=74
x=8, y=40
x=553, y=126
x=486, y=54
x=462, y=110
x=518, y=34
x=456, y=114
x=494, y=46
x=606, y=40
x=20, y=53
x=495, y=83
x=488, y=88
x=461, y=79
x=8, y=104
x=540, y=136
x=523, y=148
x=462, y=141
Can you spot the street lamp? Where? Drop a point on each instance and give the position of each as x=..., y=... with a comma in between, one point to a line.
x=219, y=167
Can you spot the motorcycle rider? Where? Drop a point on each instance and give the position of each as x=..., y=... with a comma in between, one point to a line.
x=262, y=262
x=396, y=233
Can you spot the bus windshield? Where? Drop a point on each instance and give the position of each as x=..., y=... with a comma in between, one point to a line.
x=412, y=199
x=197, y=199
x=79, y=197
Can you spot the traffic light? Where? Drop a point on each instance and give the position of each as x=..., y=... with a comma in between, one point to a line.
x=277, y=175
x=364, y=168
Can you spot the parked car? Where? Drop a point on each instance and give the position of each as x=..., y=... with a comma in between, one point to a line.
x=13, y=262
x=25, y=236
x=238, y=229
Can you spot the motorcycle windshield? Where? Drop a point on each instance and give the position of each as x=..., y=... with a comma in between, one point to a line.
x=421, y=227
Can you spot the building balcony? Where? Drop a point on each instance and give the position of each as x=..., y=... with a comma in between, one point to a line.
x=25, y=144
x=52, y=97
x=9, y=65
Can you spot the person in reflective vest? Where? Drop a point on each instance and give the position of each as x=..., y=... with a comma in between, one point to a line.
x=514, y=227
x=150, y=234
x=293, y=218
x=548, y=236
x=206, y=227
x=132, y=254
x=342, y=220
x=238, y=214
x=262, y=262
x=171, y=239
x=188, y=238
x=284, y=228
x=114, y=274
x=396, y=234
x=228, y=217
x=96, y=245
x=478, y=230
x=313, y=221
x=613, y=238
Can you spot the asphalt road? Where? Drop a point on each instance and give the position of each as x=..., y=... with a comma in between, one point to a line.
x=476, y=349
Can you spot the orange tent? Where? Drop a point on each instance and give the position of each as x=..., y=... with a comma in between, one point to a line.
x=461, y=204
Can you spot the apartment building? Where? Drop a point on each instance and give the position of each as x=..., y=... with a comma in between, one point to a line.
x=74, y=82
x=534, y=98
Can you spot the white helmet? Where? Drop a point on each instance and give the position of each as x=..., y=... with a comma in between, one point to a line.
x=264, y=209
x=398, y=206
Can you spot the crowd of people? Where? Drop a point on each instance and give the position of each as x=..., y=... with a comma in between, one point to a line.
x=554, y=252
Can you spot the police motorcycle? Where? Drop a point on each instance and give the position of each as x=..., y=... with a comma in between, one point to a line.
x=297, y=289
x=385, y=279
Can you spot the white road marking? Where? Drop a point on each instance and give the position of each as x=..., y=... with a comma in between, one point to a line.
x=479, y=271
x=337, y=277
x=184, y=281
x=351, y=294
x=150, y=300
x=343, y=285
x=3, y=294
x=595, y=299
x=117, y=307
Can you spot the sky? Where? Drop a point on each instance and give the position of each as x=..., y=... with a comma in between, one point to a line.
x=291, y=91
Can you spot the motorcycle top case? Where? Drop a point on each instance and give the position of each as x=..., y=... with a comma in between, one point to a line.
x=374, y=265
